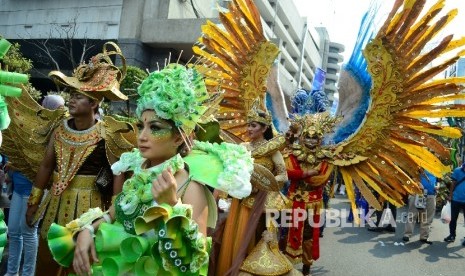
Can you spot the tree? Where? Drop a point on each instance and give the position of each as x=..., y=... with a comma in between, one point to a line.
x=134, y=77
x=15, y=61
x=62, y=45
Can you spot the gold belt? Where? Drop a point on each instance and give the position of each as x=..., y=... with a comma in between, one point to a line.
x=81, y=182
x=306, y=196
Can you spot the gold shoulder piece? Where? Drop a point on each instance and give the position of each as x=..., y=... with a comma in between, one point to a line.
x=120, y=137
x=41, y=134
x=277, y=143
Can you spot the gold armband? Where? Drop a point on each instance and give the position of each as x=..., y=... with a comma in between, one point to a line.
x=222, y=195
x=36, y=196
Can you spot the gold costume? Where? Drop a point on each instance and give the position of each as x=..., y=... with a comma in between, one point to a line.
x=71, y=194
x=266, y=251
x=272, y=160
x=79, y=155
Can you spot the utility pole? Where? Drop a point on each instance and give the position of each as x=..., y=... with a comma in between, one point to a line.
x=302, y=54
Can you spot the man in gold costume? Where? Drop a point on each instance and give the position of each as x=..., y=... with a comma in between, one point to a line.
x=79, y=153
x=308, y=173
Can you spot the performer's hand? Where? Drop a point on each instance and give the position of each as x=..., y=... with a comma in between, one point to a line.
x=164, y=188
x=309, y=173
x=84, y=244
x=31, y=212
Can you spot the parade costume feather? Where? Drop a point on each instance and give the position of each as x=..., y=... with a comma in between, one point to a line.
x=392, y=138
x=382, y=141
x=237, y=58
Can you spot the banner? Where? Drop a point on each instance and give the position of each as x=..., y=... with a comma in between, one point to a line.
x=319, y=80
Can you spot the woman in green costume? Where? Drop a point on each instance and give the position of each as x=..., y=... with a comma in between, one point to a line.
x=158, y=224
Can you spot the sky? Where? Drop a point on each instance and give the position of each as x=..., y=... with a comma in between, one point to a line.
x=342, y=17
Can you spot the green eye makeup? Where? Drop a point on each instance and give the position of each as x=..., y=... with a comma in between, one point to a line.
x=159, y=129
x=160, y=133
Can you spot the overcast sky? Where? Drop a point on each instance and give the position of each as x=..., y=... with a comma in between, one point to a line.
x=342, y=17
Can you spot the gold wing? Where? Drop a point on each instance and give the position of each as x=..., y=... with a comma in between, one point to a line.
x=26, y=138
x=236, y=58
x=388, y=149
x=120, y=136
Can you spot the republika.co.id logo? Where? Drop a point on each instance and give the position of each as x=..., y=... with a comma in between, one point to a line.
x=331, y=218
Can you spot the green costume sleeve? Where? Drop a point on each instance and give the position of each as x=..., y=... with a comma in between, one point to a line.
x=6, y=80
x=167, y=243
x=226, y=167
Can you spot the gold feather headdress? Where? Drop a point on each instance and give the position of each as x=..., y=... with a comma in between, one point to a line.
x=97, y=79
x=237, y=58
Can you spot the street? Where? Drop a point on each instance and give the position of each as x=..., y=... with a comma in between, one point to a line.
x=356, y=251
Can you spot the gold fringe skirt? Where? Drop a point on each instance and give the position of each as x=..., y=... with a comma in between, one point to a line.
x=80, y=195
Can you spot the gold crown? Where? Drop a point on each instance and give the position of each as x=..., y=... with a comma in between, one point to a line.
x=257, y=115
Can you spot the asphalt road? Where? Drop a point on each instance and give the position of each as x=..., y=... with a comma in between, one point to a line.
x=356, y=251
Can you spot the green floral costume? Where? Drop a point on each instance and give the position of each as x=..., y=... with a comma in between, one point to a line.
x=152, y=239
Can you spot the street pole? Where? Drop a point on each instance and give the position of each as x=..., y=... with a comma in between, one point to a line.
x=302, y=54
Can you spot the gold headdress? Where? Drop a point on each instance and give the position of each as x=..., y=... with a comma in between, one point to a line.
x=97, y=79
x=257, y=115
x=317, y=124
x=312, y=126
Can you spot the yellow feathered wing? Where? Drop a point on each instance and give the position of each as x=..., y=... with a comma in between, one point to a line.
x=236, y=58
x=388, y=150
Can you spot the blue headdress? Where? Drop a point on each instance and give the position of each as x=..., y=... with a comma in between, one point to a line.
x=309, y=102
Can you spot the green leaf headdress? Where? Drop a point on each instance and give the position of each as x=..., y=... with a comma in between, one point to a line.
x=175, y=93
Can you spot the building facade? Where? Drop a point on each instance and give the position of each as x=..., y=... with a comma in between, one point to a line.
x=147, y=30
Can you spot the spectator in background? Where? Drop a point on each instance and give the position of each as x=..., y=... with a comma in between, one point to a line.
x=422, y=207
x=21, y=236
x=457, y=200
x=326, y=196
x=384, y=220
x=53, y=102
x=361, y=204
